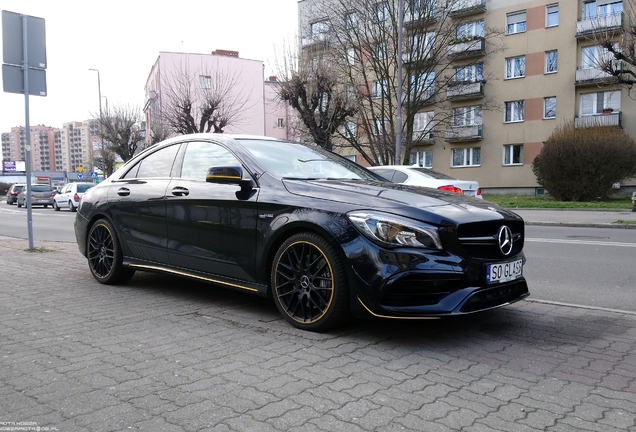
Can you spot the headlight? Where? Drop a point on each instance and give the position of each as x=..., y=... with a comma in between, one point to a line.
x=394, y=231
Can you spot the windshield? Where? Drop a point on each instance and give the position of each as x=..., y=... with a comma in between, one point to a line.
x=84, y=187
x=299, y=161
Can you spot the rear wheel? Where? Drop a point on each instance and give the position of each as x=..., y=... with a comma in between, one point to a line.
x=71, y=207
x=55, y=206
x=105, y=255
x=19, y=205
x=309, y=283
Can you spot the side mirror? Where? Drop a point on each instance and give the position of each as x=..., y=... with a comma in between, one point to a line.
x=229, y=175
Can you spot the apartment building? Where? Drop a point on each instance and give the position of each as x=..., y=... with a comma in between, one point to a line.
x=507, y=101
x=251, y=99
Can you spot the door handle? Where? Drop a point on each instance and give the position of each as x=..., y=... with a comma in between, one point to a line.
x=180, y=191
x=123, y=191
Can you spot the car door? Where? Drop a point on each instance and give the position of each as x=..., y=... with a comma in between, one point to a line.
x=211, y=227
x=137, y=206
x=62, y=198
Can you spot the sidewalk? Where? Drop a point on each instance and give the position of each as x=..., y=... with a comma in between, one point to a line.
x=578, y=218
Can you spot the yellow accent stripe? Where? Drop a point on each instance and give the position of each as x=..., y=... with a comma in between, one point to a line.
x=395, y=317
x=192, y=276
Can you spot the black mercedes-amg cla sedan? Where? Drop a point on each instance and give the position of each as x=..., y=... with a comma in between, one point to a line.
x=321, y=235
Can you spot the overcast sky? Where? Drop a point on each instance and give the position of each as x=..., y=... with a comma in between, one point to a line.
x=123, y=39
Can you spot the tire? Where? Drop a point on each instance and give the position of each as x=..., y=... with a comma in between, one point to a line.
x=46, y=205
x=71, y=207
x=105, y=255
x=309, y=283
x=55, y=206
x=19, y=205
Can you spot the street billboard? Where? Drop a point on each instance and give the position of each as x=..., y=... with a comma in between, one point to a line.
x=13, y=166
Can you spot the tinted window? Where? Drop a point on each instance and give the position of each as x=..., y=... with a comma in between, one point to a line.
x=386, y=173
x=18, y=188
x=157, y=164
x=84, y=187
x=41, y=188
x=399, y=177
x=201, y=156
x=434, y=174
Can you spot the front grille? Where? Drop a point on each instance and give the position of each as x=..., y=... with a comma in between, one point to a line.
x=479, y=239
x=495, y=296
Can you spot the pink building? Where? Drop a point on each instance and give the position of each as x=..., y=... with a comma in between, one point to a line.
x=252, y=101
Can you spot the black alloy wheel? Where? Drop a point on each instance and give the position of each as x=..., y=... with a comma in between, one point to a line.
x=105, y=255
x=309, y=283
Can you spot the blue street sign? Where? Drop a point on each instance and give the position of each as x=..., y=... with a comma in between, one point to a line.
x=93, y=174
x=80, y=176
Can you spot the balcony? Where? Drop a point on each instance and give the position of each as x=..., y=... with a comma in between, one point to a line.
x=467, y=48
x=465, y=91
x=594, y=76
x=419, y=18
x=612, y=119
x=421, y=137
x=463, y=8
x=608, y=23
x=464, y=133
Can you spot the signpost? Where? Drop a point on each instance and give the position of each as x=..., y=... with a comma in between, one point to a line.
x=23, y=71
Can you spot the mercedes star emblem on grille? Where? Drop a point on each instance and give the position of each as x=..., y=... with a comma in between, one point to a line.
x=504, y=238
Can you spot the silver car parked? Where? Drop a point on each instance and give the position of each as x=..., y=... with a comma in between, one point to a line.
x=70, y=195
x=41, y=195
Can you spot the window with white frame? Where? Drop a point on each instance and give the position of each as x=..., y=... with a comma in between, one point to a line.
x=606, y=8
x=379, y=88
x=351, y=20
x=205, y=82
x=470, y=73
x=516, y=22
x=421, y=46
x=462, y=157
x=516, y=67
x=379, y=127
x=423, y=85
x=350, y=129
x=596, y=103
x=551, y=61
x=549, y=107
x=351, y=56
x=380, y=51
x=381, y=11
x=470, y=29
x=513, y=154
x=593, y=56
x=552, y=15
x=467, y=116
x=514, y=111
x=422, y=125
x=319, y=29
x=280, y=123
x=423, y=159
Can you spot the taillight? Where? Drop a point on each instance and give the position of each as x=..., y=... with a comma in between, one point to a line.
x=76, y=198
x=450, y=188
x=479, y=192
x=14, y=193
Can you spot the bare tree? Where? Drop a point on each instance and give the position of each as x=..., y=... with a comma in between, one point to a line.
x=202, y=100
x=120, y=127
x=441, y=52
x=612, y=28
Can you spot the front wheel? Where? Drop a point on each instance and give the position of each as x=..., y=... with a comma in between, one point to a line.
x=105, y=255
x=309, y=283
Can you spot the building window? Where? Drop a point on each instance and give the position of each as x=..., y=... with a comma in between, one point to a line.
x=380, y=51
x=319, y=29
x=594, y=56
x=205, y=82
x=378, y=127
x=423, y=86
x=516, y=22
x=552, y=15
x=516, y=67
x=470, y=73
x=462, y=157
x=551, y=61
x=599, y=102
x=379, y=88
x=549, y=107
x=514, y=111
x=513, y=154
x=381, y=11
x=422, y=159
x=467, y=116
x=352, y=158
x=351, y=20
x=280, y=123
x=351, y=56
x=470, y=29
x=422, y=125
x=421, y=46
x=350, y=129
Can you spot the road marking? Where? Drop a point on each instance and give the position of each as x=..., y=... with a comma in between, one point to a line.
x=580, y=306
x=581, y=242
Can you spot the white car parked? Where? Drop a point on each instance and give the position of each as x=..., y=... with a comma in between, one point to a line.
x=70, y=195
x=418, y=176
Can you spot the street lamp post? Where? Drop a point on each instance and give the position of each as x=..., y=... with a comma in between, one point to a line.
x=398, y=132
x=101, y=132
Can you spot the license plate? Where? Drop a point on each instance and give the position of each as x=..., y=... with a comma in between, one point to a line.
x=504, y=272
x=469, y=193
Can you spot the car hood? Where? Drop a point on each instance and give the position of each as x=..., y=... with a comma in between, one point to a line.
x=411, y=201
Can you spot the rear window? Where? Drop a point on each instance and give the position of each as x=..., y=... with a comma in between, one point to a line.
x=84, y=187
x=434, y=174
x=18, y=188
x=41, y=188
